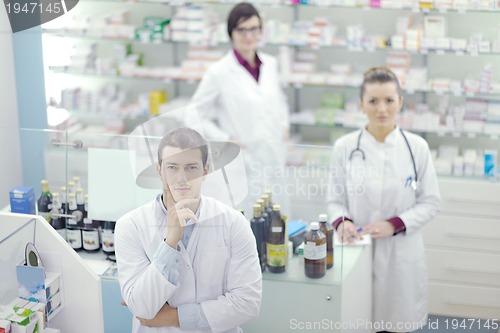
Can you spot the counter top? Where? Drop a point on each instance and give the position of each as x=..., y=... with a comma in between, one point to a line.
x=98, y=263
x=345, y=258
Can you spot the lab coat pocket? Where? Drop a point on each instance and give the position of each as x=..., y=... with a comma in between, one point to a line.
x=212, y=270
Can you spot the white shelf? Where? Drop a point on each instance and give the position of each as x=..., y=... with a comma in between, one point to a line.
x=470, y=135
x=439, y=52
x=289, y=4
x=294, y=85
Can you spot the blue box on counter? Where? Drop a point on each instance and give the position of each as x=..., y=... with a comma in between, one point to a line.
x=22, y=200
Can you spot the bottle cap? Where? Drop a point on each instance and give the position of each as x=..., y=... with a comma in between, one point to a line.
x=257, y=209
x=79, y=190
x=55, y=195
x=314, y=226
x=323, y=218
x=276, y=207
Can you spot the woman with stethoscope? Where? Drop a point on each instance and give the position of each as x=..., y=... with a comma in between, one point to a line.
x=385, y=185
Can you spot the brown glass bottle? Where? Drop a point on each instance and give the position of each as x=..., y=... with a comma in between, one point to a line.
x=257, y=225
x=267, y=218
x=276, y=246
x=315, y=252
x=327, y=229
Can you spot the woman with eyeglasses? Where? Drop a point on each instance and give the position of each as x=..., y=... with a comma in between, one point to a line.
x=240, y=99
x=385, y=185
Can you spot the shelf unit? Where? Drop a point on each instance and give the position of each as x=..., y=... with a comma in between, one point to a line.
x=486, y=96
x=299, y=92
x=457, y=53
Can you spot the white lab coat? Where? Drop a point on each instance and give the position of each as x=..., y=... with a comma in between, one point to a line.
x=245, y=110
x=231, y=104
x=219, y=269
x=374, y=190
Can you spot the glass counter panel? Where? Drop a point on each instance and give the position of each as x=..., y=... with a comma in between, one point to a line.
x=121, y=176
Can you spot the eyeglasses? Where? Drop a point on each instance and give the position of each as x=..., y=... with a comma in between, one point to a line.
x=243, y=31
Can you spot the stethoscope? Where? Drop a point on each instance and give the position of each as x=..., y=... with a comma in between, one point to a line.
x=409, y=181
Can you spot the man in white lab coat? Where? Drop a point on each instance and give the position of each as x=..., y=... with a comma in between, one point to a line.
x=186, y=262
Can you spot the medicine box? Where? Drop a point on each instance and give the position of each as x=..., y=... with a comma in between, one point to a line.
x=22, y=200
x=37, y=285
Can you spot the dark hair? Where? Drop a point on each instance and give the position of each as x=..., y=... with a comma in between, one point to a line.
x=184, y=138
x=240, y=13
x=379, y=74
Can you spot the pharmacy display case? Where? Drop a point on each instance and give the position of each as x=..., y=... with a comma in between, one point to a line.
x=74, y=304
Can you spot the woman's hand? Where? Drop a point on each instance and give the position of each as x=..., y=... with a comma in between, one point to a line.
x=167, y=316
x=347, y=232
x=381, y=229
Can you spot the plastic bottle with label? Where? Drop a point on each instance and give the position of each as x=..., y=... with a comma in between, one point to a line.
x=90, y=232
x=44, y=202
x=58, y=223
x=74, y=233
x=108, y=239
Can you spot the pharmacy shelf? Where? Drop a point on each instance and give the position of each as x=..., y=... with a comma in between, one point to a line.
x=459, y=53
x=186, y=3
x=289, y=4
x=486, y=96
x=453, y=134
x=413, y=9
x=120, y=77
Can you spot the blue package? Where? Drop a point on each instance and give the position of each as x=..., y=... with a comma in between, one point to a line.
x=295, y=227
x=22, y=200
x=490, y=162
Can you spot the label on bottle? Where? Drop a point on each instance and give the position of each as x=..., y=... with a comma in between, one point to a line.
x=75, y=238
x=108, y=241
x=277, y=229
x=314, y=252
x=45, y=215
x=87, y=221
x=71, y=221
x=90, y=240
x=276, y=255
x=62, y=232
